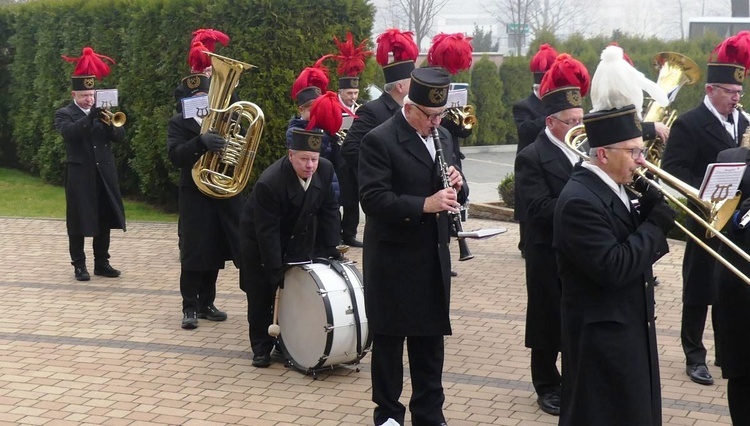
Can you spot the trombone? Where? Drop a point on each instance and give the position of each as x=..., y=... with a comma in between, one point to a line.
x=717, y=212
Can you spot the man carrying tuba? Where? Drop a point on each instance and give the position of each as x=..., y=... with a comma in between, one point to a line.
x=696, y=138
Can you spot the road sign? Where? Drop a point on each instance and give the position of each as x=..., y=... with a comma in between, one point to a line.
x=517, y=28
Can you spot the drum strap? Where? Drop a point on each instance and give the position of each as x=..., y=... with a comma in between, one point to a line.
x=355, y=308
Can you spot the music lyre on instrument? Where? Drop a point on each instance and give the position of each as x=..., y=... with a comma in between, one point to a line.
x=224, y=174
x=716, y=213
x=463, y=247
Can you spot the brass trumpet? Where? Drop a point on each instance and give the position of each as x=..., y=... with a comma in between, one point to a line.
x=462, y=117
x=115, y=119
x=715, y=213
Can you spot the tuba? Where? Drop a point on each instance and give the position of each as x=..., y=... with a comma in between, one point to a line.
x=675, y=71
x=224, y=174
x=713, y=215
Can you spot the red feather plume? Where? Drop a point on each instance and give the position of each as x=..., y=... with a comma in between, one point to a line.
x=734, y=50
x=401, y=44
x=451, y=51
x=351, y=59
x=325, y=113
x=543, y=59
x=566, y=71
x=316, y=75
x=197, y=57
x=209, y=37
x=90, y=63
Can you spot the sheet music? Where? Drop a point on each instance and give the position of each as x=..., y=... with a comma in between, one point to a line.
x=196, y=106
x=482, y=233
x=456, y=98
x=106, y=98
x=346, y=122
x=722, y=180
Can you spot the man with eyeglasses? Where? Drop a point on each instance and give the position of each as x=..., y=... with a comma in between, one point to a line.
x=605, y=249
x=542, y=169
x=696, y=138
x=406, y=255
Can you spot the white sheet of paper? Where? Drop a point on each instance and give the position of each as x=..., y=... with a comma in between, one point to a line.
x=106, y=98
x=457, y=98
x=482, y=233
x=346, y=122
x=196, y=106
x=721, y=181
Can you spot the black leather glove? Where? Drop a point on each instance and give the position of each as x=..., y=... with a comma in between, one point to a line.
x=744, y=207
x=662, y=216
x=95, y=114
x=276, y=276
x=213, y=142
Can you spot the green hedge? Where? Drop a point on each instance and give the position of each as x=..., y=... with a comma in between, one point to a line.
x=149, y=40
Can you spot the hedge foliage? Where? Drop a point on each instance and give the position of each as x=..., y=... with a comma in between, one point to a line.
x=149, y=40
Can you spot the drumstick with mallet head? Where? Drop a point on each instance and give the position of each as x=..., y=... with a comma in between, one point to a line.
x=274, y=330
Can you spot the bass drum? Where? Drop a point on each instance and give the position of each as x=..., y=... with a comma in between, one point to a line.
x=322, y=315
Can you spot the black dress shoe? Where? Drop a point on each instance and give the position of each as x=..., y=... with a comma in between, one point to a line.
x=212, y=313
x=190, y=320
x=454, y=273
x=261, y=361
x=699, y=374
x=353, y=242
x=106, y=270
x=550, y=403
x=81, y=273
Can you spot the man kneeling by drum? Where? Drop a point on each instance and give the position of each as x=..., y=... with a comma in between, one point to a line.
x=292, y=216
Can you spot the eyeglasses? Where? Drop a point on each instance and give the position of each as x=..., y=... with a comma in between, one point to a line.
x=635, y=153
x=571, y=123
x=728, y=91
x=431, y=117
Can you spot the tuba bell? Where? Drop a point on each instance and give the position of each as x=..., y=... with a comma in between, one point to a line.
x=225, y=174
x=675, y=71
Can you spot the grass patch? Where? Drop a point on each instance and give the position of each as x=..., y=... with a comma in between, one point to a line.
x=23, y=195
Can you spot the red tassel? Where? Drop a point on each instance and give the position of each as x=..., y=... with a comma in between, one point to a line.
x=451, y=51
x=351, y=59
x=734, y=50
x=543, y=59
x=209, y=37
x=197, y=57
x=401, y=44
x=325, y=113
x=566, y=71
x=316, y=75
x=90, y=63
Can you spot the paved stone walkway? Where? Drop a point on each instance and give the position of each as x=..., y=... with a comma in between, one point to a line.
x=111, y=351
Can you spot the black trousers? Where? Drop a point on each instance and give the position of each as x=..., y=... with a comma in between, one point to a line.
x=260, y=302
x=522, y=236
x=426, y=354
x=738, y=396
x=101, y=248
x=691, y=334
x=198, y=289
x=545, y=376
x=350, y=221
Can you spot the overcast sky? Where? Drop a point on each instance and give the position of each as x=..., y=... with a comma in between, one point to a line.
x=659, y=18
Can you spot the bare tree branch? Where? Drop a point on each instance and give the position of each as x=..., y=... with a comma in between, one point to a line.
x=420, y=15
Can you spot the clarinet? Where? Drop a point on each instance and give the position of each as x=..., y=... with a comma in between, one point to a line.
x=463, y=247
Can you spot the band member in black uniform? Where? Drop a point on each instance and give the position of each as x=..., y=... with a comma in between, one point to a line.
x=696, y=138
x=605, y=249
x=291, y=216
x=92, y=192
x=541, y=171
x=529, y=116
x=733, y=300
x=406, y=255
x=208, y=227
x=397, y=81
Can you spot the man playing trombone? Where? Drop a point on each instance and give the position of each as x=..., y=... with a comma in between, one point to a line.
x=696, y=138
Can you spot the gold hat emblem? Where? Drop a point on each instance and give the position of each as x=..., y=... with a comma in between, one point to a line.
x=355, y=83
x=574, y=98
x=88, y=82
x=739, y=75
x=193, y=81
x=314, y=142
x=438, y=95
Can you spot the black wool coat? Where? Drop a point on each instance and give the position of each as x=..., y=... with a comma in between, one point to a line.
x=89, y=158
x=406, y=255
x=542, y=170
x=208, y=227
x=695, y=140
x=369, y=116
x=529, y=115
x=609, y=353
